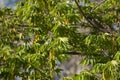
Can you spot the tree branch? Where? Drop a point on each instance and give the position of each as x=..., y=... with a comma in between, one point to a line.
x=73, y=53
x=93, y=22
x=102, y=2
x=82, y=13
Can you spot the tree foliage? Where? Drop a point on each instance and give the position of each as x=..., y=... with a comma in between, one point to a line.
x=38, y=33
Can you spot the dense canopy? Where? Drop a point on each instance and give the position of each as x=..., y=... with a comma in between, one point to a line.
x=39, y=33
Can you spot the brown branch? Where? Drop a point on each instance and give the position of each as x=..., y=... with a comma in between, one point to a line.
x=102, y=2
x=83, y=54
x=93, y=22
x=82, y=13
x=72, y=53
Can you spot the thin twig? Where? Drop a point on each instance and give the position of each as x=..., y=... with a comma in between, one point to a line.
x=102, y=2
